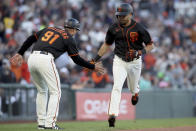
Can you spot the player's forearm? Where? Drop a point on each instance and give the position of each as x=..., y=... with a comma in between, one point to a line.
x=149, y=48
x=104, y=48
x=146, y=49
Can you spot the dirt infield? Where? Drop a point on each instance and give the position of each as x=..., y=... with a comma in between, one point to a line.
x=186, y=128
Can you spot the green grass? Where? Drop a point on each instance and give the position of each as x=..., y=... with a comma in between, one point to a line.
x=103, y=125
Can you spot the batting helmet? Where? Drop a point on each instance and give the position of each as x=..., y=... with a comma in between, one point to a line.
x=72, y=23
x=124, y=9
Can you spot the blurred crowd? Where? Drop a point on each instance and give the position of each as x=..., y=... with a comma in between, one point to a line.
x=171, y=23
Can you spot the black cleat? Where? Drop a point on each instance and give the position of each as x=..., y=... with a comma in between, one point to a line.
x=40, y=127
x=111, y=121
x=54, y=128
x=135, y=99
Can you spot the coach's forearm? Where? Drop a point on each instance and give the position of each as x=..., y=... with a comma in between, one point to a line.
x=27, y=43
x=80, y=61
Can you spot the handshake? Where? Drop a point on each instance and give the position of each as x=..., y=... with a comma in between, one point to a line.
x=98, y=67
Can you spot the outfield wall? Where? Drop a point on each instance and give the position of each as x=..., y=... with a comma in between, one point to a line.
x=18, y=103
x=166, y=104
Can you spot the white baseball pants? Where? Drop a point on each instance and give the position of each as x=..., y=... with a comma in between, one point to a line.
x=46, y=78
x=121, y=71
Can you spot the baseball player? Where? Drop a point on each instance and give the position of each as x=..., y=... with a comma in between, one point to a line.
x=49, y=44
x=129, y=37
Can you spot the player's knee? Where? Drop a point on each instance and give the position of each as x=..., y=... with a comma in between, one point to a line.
x=117, y=89
x=55, y=93
x=42, y=91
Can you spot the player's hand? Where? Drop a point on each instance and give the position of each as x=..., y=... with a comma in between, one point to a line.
x=148, y=48
x=99, y=68
x=16, y=60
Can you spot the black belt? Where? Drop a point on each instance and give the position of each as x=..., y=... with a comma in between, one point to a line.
x=41, y=52
x=127, y=59
x=44, y=52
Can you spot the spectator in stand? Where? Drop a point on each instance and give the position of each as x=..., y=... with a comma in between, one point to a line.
x=64, y=73
x=145, y=81
x=6, y=76
x=193, y=34
x=149, y=60
x=172, y=27
x=100, y=81
x=25, y=74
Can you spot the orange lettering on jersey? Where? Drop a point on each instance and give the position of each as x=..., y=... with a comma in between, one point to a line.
x=62, y=32
x=50, y=37
x=133, y=36
x=56, y=36
x=65, y=36
x=47, y=35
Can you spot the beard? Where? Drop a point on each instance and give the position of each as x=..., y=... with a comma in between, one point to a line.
x=123, y=22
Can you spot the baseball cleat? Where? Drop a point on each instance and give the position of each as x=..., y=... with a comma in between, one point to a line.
x=54, y=128
x=40, y=127
x=111, y=121
x=135, y=99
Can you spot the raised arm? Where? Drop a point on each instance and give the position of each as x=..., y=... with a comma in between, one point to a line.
x=104, y=48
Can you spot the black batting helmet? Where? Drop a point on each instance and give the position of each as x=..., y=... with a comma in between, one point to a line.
x=124, y=9
x=72, y=23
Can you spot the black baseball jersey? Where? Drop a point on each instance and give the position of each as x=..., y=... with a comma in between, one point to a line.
x=126, y=38
x=55, y=41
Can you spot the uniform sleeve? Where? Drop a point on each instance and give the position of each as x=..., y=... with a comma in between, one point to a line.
x=80, y=61
x=72, y=48
x=29, y=41
x=145, y=35
x=38, y=34
x=109, y=36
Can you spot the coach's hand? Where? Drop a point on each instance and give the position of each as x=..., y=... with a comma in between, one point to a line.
x=16, y=60
x=99, y=68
